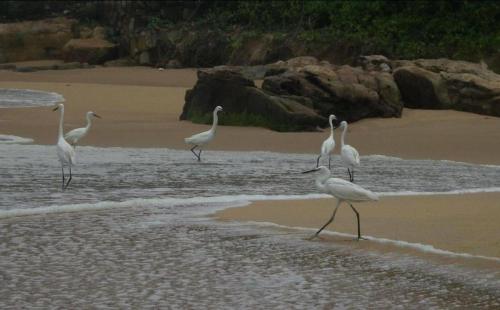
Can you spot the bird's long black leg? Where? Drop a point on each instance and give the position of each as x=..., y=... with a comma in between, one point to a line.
x=329, y=221
x=70, y=176
x=317, y=161
x=199, y=155
x=351, y=178
x=62, y=170
x=329, y=161
x=359, y=226
x=192, y=150
x=352, y=175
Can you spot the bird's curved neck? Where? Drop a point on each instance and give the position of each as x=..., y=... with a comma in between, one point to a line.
x=61, y=121
x=343, y=135
x=215, y=122
x=331, y=127
x=89, y=121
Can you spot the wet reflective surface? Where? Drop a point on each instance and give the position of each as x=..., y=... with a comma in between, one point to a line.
x=17, y=98
x=138, y=236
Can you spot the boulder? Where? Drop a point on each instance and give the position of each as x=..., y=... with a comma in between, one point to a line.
x=349, y=93
x=92, y=50
x=245, y=104
x=448, y=84
x=301, y=98
x=32, y=40
x=374, y=63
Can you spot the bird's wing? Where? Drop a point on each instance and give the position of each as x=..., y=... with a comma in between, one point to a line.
x=199, y=138
x=350, y=155
x=74, y=135
x=327, y=146
x=66, y=152
x=346, y=190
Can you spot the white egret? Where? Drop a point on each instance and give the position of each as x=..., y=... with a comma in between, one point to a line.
x=76, y=134
x=200, y=139
x=329, y=144
x=348, y=154
x=65, y=151
x=343, y=191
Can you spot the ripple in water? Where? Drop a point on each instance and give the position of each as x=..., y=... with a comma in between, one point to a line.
x=22, y=98
x=154, y=247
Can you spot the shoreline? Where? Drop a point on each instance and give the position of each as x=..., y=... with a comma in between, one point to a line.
x=458, y=223
x=147, y=115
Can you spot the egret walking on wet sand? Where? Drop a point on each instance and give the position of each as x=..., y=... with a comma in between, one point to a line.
x=200, y=139
x=76, y=134
x=329, y=144
x=65, y=151
x=343, y=191
x=348, y=154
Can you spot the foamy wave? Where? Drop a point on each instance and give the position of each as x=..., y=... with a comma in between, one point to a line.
x=454, y=192
x=9, y=139
x=153, y=202
x=411, y=245
x=19, y=98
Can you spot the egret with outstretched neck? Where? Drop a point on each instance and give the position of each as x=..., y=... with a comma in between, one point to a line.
x=76, y=134
x=348, y=155
x=344, y=191
x=65, y=151
x=329, y=144
x=201, y=139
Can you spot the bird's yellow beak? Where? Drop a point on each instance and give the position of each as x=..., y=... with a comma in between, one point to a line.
x=56, y=108
x=97, y=116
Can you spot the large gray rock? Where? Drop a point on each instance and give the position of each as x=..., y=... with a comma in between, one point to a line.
x=245, y=104
x=448, y=84
x=350, y=93
x=301, y=98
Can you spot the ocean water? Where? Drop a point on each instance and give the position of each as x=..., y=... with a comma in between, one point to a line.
x=133, y=231
x=17, y=98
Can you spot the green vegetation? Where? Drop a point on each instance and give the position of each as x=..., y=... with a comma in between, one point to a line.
x=458, y=29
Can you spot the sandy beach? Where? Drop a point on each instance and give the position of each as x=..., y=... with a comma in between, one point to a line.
x=466, y=223
x=140, y=108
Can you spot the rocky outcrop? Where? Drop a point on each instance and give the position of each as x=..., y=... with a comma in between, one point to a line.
x=301, y=98
x=448, y=84
x=91, y=51
x=32, y=40
x=245, y=104
x=350, y=93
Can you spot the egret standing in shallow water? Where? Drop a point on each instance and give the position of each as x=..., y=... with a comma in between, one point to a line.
x=202, y=138
x=329, y=144
x=343, y=191
x=76, y=134
x=65, y=151
x=348, y=154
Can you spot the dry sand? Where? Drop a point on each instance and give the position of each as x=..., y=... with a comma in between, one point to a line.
x=468, y=223
x=141, y=106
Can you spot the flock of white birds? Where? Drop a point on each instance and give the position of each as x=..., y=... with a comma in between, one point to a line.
x=343, y=190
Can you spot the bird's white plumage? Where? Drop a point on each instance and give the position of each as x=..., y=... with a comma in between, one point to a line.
x=342, y=189
x=77, y=134
x=203, y=138
x=329, y=143
x=345, y=190
x=65, y=152
x=348, y=154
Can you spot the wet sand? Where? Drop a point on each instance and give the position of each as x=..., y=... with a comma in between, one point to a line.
x=141, y=107
x=466, y=223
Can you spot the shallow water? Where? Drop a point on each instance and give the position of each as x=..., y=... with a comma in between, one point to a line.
x=138, y=235
x=21, y=98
